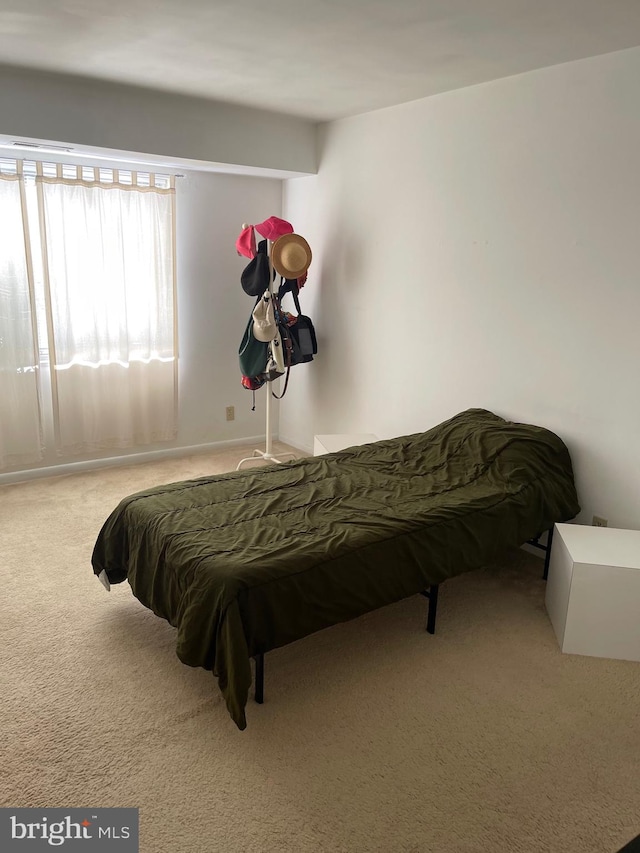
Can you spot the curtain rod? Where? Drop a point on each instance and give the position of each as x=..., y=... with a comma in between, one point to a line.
x=30, y=167
x=34, y=154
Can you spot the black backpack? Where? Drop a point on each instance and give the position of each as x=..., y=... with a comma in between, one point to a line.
x=301, y=332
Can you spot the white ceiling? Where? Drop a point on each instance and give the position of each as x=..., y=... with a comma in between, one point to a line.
x=319, y=59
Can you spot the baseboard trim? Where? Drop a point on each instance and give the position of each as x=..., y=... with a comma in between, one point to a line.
x=535, y=552
x=308, y=451
x=128, y=459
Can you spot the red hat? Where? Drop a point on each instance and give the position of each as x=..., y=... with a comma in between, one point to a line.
x=272, y=228
x=246, y=242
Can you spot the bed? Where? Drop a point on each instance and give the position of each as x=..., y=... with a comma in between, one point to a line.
x=246, y=562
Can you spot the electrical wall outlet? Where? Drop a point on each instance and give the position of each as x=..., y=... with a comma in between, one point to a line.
x=231, y=413
x=599, y=522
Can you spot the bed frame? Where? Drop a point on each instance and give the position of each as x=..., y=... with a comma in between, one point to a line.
x=431, y=594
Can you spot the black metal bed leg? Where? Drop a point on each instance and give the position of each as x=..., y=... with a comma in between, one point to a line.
x=536, y=543
x=433, y=606
x=432, y=595
x=547, y=556
x=259, y=680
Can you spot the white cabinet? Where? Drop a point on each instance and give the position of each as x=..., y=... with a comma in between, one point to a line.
x=593, y=591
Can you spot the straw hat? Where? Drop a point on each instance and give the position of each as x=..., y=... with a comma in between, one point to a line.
x=290, y=255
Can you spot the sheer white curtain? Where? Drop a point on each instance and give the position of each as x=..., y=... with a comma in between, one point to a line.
x=108, y=249
x=20, y=430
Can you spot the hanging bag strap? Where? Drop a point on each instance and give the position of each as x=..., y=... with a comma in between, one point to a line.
x=289, y=285
x=285, y=336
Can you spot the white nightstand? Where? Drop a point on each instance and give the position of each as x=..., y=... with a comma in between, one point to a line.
x=593, y=591
x=332, y=443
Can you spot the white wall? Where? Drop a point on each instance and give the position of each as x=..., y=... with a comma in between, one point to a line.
x=213, y=309
x=481, y=248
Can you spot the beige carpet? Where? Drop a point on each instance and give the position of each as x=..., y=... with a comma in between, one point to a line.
x=374, y=735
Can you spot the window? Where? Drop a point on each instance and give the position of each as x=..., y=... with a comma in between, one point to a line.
x=87, y=308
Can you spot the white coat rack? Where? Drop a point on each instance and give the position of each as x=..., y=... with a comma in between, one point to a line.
x=267, y=455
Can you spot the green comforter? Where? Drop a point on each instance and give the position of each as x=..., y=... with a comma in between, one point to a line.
x=245, y=562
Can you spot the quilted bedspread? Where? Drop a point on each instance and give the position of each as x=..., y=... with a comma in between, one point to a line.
x=242, y=563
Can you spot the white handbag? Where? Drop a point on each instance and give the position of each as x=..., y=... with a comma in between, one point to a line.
x=276, y=352
x=264, y=321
